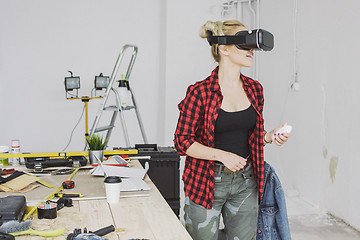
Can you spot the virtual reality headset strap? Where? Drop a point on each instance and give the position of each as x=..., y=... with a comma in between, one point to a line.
x=224, y=40
x=257, y=39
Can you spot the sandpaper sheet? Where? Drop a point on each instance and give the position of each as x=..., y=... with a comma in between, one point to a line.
x=19, y=183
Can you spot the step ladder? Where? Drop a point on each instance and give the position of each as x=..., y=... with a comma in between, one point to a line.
x=118, y=109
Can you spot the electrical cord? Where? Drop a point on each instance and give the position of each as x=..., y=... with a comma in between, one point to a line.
x=72, y=94
x=290, y=90
x=82, y=113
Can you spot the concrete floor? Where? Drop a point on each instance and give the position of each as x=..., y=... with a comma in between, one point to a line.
x=309, y=223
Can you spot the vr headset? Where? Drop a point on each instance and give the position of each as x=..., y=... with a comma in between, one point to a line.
x=257, y=39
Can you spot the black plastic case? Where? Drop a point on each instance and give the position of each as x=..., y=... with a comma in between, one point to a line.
x=12, y=208
x=44, y=162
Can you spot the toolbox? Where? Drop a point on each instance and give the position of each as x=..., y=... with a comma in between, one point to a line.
x=39, y=163
x=12, y=208
x=164, y=171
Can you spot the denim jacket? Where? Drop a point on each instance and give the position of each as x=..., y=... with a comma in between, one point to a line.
x=272, y=220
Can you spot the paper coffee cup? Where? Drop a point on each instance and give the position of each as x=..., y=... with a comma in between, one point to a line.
x=112, y=188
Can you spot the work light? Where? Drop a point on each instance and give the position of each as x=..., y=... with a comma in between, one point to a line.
x=72, y=82
x=101, y=81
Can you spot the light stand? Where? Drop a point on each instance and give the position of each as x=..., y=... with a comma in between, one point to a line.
x=73, y=83
x=85, y=100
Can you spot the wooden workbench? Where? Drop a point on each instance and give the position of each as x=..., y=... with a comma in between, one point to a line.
x=138, y=215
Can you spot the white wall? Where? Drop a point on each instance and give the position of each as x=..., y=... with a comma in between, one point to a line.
x=320, y=161
x=41, y=40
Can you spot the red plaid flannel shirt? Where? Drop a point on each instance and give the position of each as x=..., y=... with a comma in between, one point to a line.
x=198, y=113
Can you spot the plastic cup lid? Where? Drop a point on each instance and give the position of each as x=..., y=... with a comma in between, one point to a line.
x=112, y=179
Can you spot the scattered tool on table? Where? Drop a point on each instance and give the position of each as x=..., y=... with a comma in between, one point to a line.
x=68, y=184
x=12, y=208
x=76, y=234
x=139, y=239
x=50, y=208
x=62, y=171
x=64, y=202
x=16, y=228
x=6, y=236
x=6, y=171
x=68, y=195
x=47, y=210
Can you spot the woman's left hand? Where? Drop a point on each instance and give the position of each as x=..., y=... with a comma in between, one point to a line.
x=279, y=138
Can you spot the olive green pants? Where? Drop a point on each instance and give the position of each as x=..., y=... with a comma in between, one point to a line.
x=236, y=198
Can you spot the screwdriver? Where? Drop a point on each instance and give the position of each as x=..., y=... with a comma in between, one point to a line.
x=69, y=195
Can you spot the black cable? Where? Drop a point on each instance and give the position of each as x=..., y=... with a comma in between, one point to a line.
x=82, y=113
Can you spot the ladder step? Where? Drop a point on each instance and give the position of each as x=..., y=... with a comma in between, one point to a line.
x=110, y=108
x=128, y=107
x=114, y=108
x=104, y=128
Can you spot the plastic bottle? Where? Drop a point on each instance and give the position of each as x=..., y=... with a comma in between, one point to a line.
x=15, y=148
x=123, y=93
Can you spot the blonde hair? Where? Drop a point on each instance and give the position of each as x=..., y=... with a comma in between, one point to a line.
x=219, y=29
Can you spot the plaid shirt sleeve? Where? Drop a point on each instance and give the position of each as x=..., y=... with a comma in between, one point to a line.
x=190, y=112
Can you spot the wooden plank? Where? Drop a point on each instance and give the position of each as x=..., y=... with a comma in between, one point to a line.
x=164, y=222
x=98, y=215
x=129, y=216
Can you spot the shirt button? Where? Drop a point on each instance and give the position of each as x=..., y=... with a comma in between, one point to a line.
x=259, y=231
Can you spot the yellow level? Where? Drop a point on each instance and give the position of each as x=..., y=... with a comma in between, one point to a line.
x=63, y=154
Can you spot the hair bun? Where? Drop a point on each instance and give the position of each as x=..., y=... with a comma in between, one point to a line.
x=213, y=27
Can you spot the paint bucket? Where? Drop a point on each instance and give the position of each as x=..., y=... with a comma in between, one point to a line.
x=4, y=161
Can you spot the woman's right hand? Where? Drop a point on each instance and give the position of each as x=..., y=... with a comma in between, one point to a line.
x=232, y=161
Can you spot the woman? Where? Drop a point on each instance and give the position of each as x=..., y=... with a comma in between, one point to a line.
x=221, y=132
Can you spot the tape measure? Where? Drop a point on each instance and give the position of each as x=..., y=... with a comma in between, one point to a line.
x=68, y=184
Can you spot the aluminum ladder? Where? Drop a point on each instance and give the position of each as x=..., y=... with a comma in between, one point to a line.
x=118, y=109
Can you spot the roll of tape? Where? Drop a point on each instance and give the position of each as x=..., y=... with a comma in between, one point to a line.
x=48, y=211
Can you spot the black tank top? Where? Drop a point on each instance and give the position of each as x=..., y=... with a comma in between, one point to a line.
x=232, y=130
